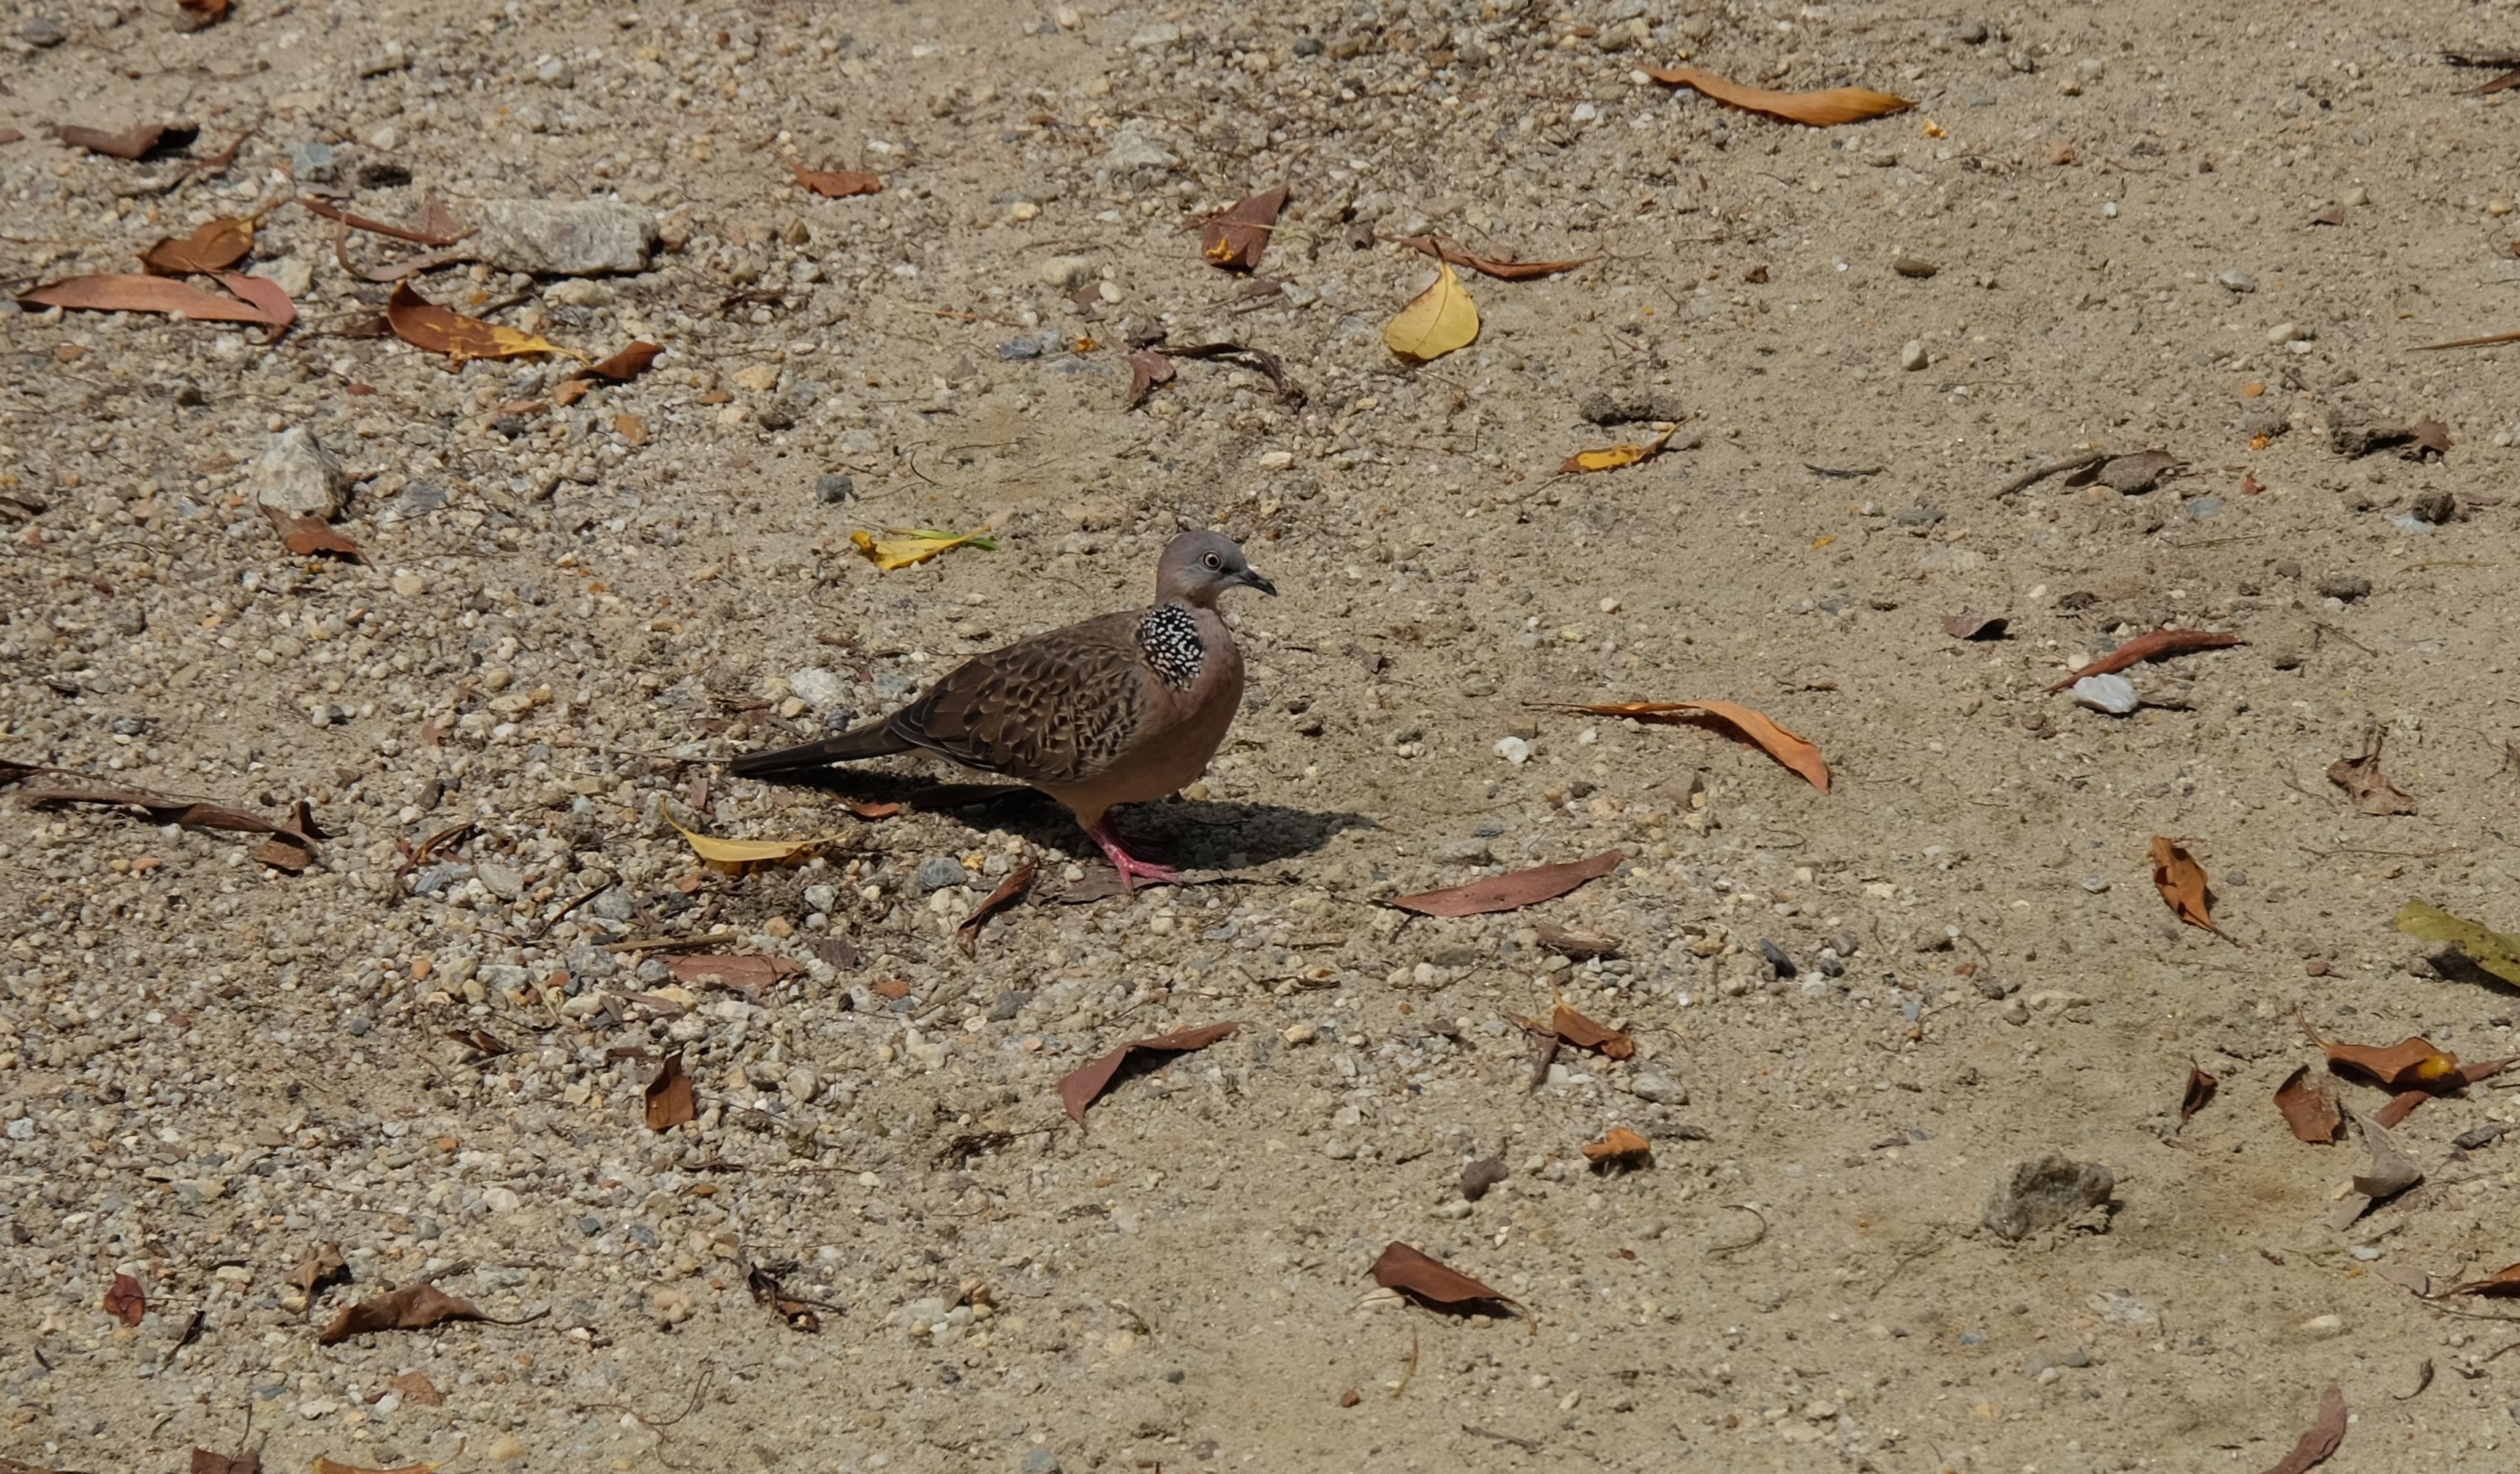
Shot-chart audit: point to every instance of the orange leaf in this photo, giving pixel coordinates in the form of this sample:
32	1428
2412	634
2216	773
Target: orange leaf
425	324
837	184
1785	746
745	973
2411	1063
1234	239
2502	1281
1413	1272
414	1306
1078	1088
1513	890
624	366
2181	881
214	245
1503	269
671	1103
1621	1147
307	536
1817	109
257	301
1583	1034
1626	453
124	1302
2199	1092
202	13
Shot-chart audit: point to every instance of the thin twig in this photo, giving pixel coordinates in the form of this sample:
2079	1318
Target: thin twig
1754	1238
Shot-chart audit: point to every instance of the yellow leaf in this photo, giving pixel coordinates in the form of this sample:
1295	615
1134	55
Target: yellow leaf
1443	318
735	854
917	545
1932	129
1627	453
1816	110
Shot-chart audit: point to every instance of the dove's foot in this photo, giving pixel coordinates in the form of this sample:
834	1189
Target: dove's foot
1132	869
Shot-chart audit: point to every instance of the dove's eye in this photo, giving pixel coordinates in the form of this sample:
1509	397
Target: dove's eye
1213	562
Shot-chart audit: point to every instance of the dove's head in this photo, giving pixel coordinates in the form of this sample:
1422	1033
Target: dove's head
1197	566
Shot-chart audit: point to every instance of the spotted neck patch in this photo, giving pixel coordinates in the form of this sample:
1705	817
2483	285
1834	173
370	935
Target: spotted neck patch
1168	637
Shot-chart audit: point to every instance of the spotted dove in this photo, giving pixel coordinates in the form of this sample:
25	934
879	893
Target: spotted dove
1118	709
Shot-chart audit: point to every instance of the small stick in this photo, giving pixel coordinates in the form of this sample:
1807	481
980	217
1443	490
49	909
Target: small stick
2032	477
1753	1238
1528	1446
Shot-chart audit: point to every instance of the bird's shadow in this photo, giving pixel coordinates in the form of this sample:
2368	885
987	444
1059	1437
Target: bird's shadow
1186	834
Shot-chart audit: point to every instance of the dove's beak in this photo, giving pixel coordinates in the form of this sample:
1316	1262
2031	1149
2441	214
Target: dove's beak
1251	579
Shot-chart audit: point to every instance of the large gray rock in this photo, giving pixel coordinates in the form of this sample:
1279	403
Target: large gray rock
585	238
296	475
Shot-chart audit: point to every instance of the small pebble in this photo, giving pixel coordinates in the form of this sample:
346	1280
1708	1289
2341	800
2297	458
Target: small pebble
1913	356
2111	694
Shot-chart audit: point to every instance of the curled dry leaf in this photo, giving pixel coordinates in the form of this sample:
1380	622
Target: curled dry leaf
2370	789
837	184
2503	1282
1503	268
745	973
163	808
2411	1064
255	300
2182	883
735	855
414	1307
1009	890
1079	1087
310	536
1626	453
1815	110
124	1302
426	325
2494	952
1236	238
242	1462
214	246
1583	1034
2310	1108
1148	367
1513	890
1968	626
1436	322
2326	1431
1622	1148
1433	1282
335	1466
917	545
2151	647
2390	1172
1785	746
671	1101
623	367
201	14
130	143
323	1267
2196	1094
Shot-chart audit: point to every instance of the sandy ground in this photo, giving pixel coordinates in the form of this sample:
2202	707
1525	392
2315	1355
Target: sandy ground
209	1067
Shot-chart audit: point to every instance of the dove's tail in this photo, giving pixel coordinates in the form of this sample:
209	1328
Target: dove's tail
873	740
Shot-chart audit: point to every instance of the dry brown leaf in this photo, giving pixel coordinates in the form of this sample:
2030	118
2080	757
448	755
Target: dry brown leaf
621	367
414	1307
1795	752
2370	789
671	1101
837	184
2310	1108
2326	1431
425	324
201	14
1009	892
1583	1034
333	1467
242	1461
256	299
2151	647
1815	110
124	1302
1968	626
1626	453
164	808
743	972
417	1390
2182	883
1513	890
308	536
214	246
1503	268
1622	1148
2197	1093
10	136
2502	1281
322	1266
130	143
434	225
1234	239
1147	368
1079	1087
2411	1063
1431	1282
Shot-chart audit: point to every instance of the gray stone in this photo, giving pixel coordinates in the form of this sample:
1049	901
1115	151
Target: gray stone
1972	32
2044	1191
582	237
314	164
418	499
2095	884
1039	1461
1913	356
296	475
653	971
43	30
832	488
587	964
1010	1003
1151	37
501	880
1066	273
1132	149
2347	587
2238	282
937	872
819	688
1657	1088
2114	694
2435	507
293	274
613	904
434	880
2205	508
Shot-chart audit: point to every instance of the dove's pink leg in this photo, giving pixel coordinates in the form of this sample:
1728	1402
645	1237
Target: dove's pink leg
1132	869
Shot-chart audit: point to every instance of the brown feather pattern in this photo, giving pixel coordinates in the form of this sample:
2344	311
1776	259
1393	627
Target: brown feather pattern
1056	709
